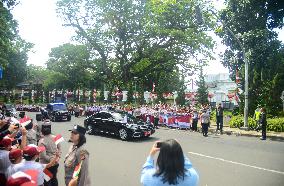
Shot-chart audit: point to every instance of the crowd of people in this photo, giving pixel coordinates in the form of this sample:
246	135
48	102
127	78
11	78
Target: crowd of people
30	154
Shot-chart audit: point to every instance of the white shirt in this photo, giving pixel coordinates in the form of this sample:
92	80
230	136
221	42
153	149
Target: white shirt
28	165
12	169
4	161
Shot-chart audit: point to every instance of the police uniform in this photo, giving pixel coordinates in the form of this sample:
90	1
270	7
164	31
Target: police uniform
31	134
74	157
50	151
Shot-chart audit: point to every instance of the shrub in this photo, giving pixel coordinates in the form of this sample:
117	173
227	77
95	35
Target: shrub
274	124
236	121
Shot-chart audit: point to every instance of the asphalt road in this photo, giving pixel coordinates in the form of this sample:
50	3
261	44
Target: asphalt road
220	160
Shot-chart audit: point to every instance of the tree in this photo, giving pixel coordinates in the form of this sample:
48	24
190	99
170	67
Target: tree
131	38
13	49
202	90
73	64
253	22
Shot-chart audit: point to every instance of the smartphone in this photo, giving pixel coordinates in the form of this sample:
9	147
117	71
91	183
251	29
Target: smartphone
159	144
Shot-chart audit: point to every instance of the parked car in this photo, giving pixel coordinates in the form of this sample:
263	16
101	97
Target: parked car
10	110
54	112
120	124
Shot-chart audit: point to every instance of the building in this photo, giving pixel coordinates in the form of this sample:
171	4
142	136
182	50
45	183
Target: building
221	90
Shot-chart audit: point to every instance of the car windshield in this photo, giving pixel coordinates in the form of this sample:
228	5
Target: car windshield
118	116
59	107
9	106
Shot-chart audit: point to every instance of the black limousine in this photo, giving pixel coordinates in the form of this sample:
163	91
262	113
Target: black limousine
117	123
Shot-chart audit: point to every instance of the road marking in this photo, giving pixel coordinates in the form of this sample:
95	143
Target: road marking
237	163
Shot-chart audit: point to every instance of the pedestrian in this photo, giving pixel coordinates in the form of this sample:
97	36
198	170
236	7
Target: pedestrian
77	155
156	117
50	151
219	118
263	123
173	167
205	119
5	147
77	110
30	155
256	117
194	120
15	157
32	134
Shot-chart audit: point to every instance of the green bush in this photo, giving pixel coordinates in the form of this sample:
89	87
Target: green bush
274	124
236	121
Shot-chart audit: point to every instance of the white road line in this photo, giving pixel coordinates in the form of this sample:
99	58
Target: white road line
237	163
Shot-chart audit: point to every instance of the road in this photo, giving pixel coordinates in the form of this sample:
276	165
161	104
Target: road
220	160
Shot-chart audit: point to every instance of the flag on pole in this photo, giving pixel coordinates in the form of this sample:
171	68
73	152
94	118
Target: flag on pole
58	139
47	175
77	170
25	121
238	79
153	89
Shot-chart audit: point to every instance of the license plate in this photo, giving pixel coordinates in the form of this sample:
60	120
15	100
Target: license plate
147	133
64	117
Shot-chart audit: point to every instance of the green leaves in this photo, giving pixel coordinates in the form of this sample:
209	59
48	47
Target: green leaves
252	21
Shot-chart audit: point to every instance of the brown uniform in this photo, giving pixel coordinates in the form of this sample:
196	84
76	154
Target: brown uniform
72	159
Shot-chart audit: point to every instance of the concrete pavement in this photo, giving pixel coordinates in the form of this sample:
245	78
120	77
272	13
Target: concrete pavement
219	160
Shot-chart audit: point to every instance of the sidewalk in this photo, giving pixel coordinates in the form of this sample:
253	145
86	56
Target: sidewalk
251	133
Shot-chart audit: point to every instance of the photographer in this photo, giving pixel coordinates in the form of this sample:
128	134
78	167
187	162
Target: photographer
173	168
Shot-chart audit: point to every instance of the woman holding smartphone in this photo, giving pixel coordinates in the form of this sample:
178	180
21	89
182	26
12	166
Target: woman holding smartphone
172	167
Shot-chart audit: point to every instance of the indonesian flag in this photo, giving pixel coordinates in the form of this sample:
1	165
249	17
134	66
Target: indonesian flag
25	121
58	139
153	89
238	79
237	98
77	170
47	175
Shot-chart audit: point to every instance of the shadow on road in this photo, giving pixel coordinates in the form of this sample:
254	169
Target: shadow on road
134	140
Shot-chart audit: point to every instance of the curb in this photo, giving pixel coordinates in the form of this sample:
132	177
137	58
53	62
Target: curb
238	133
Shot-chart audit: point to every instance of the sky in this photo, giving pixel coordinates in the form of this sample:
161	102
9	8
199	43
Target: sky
39	24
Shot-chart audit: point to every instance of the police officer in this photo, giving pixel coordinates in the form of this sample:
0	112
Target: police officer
77	154
51	149
256	117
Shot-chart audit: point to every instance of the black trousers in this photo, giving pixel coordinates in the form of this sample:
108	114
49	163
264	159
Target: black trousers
77	114
53	181
219	122
194	124
156	122
263	132
205	128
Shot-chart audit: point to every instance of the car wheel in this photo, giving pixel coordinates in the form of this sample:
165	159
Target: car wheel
69	118
90	129
123	134
53	118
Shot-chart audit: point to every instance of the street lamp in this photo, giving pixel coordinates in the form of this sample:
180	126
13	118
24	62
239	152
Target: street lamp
200	21
135	80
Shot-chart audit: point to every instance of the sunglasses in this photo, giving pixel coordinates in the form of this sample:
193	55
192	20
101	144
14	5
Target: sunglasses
74	132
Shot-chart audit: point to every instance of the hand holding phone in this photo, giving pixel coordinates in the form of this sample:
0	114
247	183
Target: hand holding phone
158	144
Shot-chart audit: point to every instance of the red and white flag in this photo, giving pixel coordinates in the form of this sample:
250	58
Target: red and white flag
77	170
153	89
238	79
25	121
47	175
58	139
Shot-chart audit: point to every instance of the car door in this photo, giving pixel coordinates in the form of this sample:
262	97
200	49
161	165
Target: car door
107	122
95	121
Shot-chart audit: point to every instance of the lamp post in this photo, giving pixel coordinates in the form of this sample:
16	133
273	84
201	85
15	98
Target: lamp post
200	21
135	80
